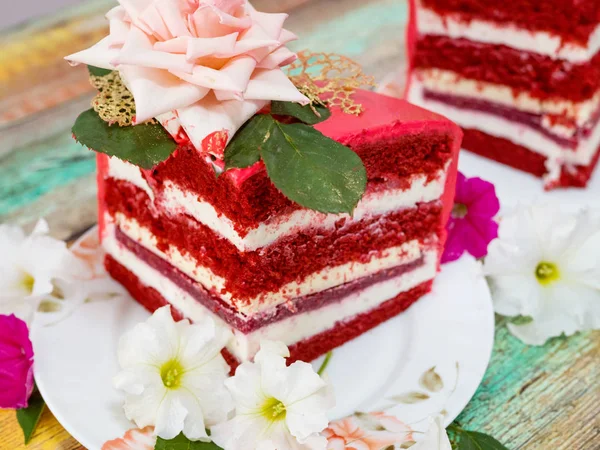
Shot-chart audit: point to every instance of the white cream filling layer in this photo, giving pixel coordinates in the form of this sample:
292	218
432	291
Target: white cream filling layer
451	83
174	200
540	42
122	170
317	282
515	132
290	330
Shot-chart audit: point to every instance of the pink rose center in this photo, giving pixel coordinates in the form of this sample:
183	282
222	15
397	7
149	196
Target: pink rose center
459	211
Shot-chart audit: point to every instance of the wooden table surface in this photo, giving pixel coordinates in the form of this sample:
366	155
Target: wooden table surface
531	398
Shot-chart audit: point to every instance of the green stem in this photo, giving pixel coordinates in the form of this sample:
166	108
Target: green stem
325	363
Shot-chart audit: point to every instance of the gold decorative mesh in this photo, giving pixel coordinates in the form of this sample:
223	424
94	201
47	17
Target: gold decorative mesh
114	103
329	78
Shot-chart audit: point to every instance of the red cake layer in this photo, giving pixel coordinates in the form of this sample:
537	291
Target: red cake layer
573	20
287	309
394	139
305	350
519	157
389	160
150	298
533	121
342	332
540	76
292	258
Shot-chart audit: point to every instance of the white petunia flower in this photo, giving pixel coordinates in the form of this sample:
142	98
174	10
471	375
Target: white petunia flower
435	438
545	265
278	407
28	267
173	374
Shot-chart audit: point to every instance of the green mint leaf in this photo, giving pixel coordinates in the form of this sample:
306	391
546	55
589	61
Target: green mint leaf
304	113
244	148
97	71
29	417
473	440
182	443
312	170
144	145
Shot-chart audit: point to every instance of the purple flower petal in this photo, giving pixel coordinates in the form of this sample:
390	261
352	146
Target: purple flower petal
479	196
483	200
473	232
455	245
16	363
479	235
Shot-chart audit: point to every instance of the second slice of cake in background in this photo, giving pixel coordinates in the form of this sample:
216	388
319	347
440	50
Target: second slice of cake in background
521	78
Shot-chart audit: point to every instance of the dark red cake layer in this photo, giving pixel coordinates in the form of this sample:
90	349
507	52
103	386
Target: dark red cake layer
150	298
533	121
342	332
519	157
306	350
540	76
248	324
389	160
292	258
573	20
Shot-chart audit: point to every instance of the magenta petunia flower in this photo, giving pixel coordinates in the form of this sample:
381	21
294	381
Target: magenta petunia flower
16	363
471	226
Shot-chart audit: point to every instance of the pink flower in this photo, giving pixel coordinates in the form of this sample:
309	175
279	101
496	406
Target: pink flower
471	226
16	363
372	431
191	57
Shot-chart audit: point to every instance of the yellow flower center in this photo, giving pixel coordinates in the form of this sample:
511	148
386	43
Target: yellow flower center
171	373
27	282
546	273
273	410
459	210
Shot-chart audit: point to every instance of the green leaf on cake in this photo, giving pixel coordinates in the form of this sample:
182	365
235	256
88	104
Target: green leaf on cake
29	417
97	71
182	443
144	145
244	148
472	440
309	114
312	170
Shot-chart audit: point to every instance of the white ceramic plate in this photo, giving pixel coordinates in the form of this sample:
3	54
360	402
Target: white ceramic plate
448	335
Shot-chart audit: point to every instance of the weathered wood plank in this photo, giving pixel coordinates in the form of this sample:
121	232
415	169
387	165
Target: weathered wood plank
540	397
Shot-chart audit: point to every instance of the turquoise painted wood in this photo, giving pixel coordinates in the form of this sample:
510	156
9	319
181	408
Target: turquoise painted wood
531	398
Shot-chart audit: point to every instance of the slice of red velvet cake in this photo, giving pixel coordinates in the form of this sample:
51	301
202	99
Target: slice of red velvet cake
296	209
236	248
521	78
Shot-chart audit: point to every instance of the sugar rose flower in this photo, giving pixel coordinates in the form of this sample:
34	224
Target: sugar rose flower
16	363
174	55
